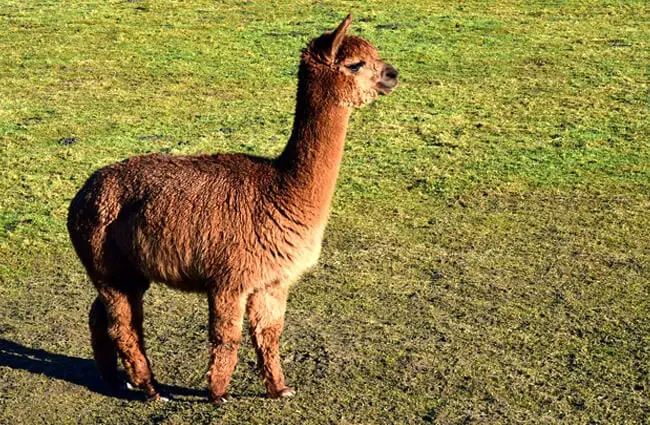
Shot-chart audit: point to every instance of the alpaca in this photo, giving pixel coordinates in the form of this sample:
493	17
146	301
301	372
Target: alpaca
238	228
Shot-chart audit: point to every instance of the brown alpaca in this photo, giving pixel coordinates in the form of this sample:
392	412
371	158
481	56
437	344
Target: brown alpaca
236	227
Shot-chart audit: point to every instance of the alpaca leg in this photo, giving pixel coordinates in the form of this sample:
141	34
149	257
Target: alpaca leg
103	347
125	319
137	315
266	310
226	317
137	319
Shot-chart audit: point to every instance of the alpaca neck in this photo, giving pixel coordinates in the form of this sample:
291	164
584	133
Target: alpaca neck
312	157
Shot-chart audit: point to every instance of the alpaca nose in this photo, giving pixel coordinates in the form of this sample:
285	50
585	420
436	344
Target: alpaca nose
390	72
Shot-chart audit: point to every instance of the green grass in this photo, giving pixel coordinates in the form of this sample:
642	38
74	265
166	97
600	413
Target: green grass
487	256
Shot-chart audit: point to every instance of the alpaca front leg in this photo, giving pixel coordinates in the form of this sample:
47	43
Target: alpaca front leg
266	308
226	317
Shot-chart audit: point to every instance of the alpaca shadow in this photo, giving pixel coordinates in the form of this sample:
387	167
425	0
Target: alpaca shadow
75	370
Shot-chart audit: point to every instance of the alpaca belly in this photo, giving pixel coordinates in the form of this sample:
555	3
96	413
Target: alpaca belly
165	257
170	268
160	261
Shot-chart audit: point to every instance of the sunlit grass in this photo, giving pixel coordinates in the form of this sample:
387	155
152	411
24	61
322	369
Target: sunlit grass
487	255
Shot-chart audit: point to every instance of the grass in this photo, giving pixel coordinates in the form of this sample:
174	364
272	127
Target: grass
486	259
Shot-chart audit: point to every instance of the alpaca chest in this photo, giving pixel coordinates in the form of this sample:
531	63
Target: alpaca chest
288	260
304	259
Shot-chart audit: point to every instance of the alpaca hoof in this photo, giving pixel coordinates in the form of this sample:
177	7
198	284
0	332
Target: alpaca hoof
221	399
125	386
283	393
152	397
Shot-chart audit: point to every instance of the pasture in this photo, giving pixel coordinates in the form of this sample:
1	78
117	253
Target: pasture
487	257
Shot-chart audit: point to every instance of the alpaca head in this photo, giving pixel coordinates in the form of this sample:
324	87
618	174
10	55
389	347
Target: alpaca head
348	68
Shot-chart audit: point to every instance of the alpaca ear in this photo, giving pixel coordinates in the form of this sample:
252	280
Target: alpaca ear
337	37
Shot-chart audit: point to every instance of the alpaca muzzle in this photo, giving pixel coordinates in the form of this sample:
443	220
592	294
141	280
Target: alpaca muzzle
388	79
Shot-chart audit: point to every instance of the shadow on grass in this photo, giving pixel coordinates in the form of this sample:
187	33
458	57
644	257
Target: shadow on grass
75	370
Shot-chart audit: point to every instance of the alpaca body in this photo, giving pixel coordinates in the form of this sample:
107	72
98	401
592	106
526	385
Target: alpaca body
193	221
239	228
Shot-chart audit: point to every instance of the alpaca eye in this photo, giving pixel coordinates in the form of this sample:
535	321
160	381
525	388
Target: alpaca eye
355	67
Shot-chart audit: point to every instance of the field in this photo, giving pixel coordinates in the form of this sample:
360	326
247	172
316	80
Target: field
487	258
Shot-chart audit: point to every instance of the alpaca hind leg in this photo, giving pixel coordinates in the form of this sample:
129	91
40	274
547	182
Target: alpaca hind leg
125	329
137	319
137	315
266	308
103	346
226	317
